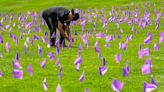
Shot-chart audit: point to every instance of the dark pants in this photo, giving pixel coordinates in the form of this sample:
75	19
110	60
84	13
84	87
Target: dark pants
52	23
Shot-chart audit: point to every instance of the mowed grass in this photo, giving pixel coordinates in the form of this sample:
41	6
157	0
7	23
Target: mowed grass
90	61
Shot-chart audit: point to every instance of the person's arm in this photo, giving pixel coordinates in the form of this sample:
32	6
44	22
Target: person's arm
67	30
60	27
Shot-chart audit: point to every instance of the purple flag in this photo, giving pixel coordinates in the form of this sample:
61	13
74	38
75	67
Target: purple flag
80	47
63	44
11	35
148	61
78	66
1	55
109	38
14	24
161	40
46	36
45	86
43	63
16	65
131	37
57	51
70	45
58	89
145	52
96	47
7	47
57	63
86	90
148	40
15	40
81	79
83	23
49	44
1	25
117	85
75	33
135	31
100	35
102	70
78	62
1	74
153	81
104	62
51	56
156	47
19	17
121	30
123	46
118	58
107	45
27	39
119	36
7	26
29	69
157	26
159	14
28	25
88	44
17	57
35	37
126	70
140	54
84	38
25	48
127	39
39	51
89	32
53	35
1	40
146	69
11	17
43	40
149	87
18	74
60	73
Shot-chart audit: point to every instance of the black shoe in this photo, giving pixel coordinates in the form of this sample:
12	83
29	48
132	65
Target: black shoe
53	46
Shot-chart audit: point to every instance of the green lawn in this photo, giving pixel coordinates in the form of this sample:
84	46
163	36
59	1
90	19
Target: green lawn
90	61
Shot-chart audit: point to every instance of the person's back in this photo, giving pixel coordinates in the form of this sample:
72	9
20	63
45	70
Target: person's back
60	12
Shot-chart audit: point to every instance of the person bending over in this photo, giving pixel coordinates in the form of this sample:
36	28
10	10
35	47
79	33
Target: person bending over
59	17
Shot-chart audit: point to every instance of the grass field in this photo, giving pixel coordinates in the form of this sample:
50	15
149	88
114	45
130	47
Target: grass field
90	61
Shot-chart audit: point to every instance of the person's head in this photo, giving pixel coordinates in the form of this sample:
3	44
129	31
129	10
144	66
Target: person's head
73	16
